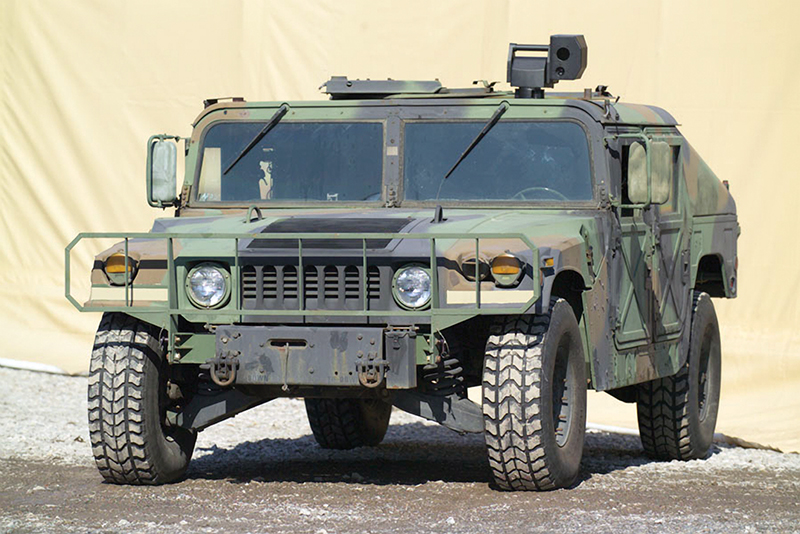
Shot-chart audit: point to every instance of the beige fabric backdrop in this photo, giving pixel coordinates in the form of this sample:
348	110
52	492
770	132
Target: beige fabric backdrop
84	83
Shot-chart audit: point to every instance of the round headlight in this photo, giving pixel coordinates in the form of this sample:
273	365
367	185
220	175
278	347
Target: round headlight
412	287
207	285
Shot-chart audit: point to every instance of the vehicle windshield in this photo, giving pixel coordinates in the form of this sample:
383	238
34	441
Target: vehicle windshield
295	161
516	161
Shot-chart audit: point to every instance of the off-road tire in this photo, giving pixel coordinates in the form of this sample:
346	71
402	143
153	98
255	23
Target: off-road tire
127	400
677	414
527	358
348	423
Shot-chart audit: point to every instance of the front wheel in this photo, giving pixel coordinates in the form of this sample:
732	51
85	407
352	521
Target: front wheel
127	406
534	400
677	414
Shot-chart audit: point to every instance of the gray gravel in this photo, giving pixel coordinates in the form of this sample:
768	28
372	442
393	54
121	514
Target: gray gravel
263	472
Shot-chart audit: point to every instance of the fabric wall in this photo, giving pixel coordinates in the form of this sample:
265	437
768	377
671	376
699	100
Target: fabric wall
84	83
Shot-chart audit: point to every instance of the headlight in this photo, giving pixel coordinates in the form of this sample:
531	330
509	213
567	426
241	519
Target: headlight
207	285
506	269
114	267
412	287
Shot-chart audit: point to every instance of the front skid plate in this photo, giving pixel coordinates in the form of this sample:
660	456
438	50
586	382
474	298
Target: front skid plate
315	356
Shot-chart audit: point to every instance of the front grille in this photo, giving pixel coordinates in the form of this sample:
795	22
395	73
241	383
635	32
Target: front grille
330	287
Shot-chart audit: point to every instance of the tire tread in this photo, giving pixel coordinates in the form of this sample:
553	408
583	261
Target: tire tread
115	398
663	411
512	404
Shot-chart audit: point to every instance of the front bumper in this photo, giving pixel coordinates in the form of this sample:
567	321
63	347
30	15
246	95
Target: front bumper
315	356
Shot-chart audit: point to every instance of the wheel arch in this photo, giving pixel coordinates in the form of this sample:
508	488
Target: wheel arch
710	276
568	284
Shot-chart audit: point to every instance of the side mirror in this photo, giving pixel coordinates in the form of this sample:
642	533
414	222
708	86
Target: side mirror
651	187
162	167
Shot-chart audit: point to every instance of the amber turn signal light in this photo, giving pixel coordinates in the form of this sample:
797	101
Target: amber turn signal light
506	269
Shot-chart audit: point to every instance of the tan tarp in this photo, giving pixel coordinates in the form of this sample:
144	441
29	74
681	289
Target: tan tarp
84	83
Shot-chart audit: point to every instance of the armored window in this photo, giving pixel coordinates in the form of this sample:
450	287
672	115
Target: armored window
516	161
671	205
295	161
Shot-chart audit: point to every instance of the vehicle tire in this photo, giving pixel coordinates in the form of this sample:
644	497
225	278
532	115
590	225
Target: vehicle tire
677	414
348	423
534	400
127	405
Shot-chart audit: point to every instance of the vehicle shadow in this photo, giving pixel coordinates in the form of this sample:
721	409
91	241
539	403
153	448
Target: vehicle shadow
411	454
607	452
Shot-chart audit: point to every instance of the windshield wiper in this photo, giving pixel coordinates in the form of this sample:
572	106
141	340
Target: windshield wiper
271	123
489	125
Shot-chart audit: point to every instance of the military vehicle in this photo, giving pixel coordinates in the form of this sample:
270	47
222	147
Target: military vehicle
401	243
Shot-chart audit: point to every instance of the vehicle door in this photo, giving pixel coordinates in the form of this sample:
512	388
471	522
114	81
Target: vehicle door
671	226
652	255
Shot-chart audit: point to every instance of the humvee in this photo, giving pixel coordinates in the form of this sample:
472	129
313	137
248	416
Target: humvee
401	243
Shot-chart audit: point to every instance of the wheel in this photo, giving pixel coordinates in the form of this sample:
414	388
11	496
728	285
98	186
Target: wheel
677	414
348	423
534	400
127	406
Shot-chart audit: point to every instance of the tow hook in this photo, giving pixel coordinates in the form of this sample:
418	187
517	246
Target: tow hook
222	368
372	373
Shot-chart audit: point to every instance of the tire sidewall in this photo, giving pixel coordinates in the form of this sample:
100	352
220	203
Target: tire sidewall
704	327
375	415
563	324
169	448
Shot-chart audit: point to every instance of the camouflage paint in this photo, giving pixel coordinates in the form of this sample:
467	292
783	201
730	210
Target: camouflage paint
583	239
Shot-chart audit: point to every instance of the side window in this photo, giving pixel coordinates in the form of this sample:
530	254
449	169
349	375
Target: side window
673	171
626	199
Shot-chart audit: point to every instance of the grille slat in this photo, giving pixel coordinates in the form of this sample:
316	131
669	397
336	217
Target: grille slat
249	282
352	283
331	282
373	283
269	283
290	282
311	282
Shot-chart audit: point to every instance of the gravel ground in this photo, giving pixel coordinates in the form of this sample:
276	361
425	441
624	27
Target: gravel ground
263	472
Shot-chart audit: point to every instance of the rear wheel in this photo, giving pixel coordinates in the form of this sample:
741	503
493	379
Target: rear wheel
127	406
534	400
348	423
677	414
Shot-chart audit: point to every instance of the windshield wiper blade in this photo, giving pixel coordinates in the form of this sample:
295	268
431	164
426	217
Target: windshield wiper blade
489	125
271	123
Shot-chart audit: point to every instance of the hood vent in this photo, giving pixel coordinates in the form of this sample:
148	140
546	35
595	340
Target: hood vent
330	225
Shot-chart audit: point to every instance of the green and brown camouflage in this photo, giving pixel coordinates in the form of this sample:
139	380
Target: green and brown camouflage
626	269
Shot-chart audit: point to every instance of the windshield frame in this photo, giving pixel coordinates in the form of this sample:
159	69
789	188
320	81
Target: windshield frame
393	113
196	202
498	203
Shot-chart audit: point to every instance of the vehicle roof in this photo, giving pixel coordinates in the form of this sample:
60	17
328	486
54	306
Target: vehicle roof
603	109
